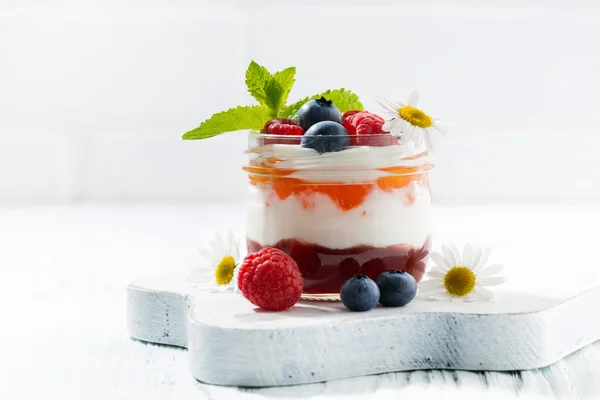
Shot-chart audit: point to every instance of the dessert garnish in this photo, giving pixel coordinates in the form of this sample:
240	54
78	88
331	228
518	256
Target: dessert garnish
282	126
270	279
408	122
397	288
359	293
271	91
219	264
465	277
318	110
367	124
326	136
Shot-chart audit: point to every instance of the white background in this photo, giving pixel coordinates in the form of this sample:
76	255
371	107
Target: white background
94	95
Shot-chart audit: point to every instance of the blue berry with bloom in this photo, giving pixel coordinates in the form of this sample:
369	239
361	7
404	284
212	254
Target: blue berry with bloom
326	136
359	293
397	288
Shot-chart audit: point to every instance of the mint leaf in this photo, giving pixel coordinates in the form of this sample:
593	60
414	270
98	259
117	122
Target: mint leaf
257	78
343	99
278	89
248	117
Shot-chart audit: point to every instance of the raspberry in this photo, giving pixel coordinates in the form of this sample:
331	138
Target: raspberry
283	126
349	113
363	123
270	279
366	123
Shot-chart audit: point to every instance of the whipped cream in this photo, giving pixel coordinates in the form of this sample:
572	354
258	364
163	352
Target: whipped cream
383	219
355	164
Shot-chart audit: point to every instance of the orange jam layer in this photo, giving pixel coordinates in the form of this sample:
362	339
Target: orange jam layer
346	196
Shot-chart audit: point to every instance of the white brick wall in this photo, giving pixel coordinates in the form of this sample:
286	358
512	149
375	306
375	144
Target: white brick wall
94	95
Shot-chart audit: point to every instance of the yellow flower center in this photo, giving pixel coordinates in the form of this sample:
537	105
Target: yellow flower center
415	117
224	271
459	281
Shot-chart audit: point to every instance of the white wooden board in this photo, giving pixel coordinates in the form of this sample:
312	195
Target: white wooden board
546	311
230	342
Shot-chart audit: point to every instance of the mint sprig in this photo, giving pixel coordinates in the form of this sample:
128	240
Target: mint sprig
257	77
271	91
247	117
278	88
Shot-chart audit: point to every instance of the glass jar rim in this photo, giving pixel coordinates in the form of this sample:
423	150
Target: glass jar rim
275	155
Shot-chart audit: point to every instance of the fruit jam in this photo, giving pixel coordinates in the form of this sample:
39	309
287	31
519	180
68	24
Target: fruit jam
325	270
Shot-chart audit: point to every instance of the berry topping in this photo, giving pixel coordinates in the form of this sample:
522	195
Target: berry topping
397	288
282	126
349	113
359	293
363	123
326	136
314	111
366	123
270	279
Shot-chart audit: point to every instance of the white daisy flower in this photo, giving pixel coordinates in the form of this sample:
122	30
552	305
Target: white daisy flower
410	123
461	278
219	265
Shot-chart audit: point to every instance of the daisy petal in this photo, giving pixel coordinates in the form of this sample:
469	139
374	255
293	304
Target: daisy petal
483	293
221	288
475	258
385	106
397	132
441	295
455	252
436	273
491	281
198	276
407	133
449	256
470	297
467	255
389	125
389	105
413	98
430	285
485	255
490	271
220	245
439	260
436	126
428	143
401	125
206	255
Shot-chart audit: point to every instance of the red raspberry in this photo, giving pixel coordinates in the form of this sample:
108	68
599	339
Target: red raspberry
349	113
363	123
270	279
283	126
366	123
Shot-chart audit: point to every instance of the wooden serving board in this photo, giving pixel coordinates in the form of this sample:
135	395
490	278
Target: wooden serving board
547	310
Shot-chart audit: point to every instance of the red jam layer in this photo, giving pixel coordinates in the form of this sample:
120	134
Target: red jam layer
325	270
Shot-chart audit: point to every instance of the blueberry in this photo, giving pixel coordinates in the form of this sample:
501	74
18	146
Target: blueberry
359	293
397	288
326	136
314	111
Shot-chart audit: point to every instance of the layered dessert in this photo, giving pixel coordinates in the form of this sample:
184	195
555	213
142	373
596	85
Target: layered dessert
362	210
341	190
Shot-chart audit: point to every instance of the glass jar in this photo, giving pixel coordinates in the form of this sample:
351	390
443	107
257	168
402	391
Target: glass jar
364	209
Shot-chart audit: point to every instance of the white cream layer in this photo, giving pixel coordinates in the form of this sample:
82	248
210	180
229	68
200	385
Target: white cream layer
355	164
388	219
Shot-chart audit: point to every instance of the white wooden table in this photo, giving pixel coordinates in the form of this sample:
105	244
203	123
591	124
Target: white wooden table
63	276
